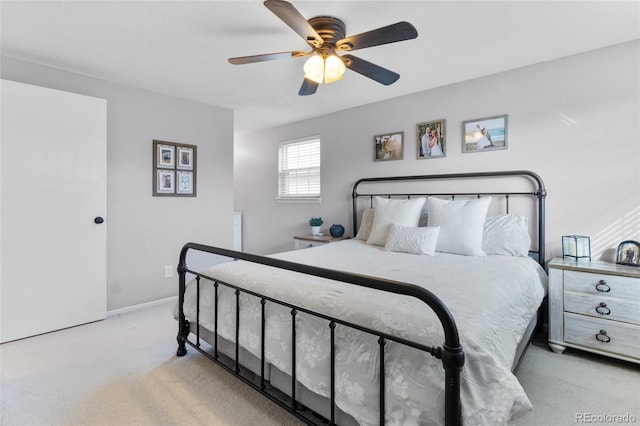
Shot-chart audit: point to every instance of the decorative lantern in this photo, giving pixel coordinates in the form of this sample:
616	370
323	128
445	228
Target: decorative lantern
576	247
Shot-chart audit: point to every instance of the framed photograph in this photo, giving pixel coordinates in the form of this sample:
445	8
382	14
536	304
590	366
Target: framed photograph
432	139
628	253
185	158
388	146
184	182
165	156
484	134
174	169
166	181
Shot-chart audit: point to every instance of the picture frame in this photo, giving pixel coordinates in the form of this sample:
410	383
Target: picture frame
165	181
184	182
628	253
174	169
165	156
185	158
485	134
431	141
388	146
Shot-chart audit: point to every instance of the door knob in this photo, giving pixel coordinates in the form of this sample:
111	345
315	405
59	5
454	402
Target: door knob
98	220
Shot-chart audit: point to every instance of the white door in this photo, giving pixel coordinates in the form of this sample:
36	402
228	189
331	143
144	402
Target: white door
53	178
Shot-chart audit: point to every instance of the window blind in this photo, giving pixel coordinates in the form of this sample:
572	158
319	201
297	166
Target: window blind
299	170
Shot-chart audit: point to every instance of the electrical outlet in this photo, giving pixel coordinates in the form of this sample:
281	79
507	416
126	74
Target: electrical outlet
168	271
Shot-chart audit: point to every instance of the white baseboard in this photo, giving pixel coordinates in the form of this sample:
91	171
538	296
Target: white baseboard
141	306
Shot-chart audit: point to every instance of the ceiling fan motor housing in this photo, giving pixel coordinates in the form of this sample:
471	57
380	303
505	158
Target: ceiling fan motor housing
329	28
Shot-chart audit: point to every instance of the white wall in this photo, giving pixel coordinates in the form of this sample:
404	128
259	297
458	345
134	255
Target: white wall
146	233
574	121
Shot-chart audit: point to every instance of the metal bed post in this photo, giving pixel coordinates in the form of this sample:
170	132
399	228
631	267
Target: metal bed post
183	324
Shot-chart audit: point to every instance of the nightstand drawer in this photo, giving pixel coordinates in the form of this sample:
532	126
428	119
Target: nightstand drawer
308	241
602	284
600	306
602	335
303	244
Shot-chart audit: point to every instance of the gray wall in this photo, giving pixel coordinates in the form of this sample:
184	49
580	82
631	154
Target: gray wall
575	121
146	233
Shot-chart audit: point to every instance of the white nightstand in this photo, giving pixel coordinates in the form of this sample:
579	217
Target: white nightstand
595	306
307	241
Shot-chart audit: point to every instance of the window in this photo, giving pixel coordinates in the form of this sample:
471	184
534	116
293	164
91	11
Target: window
299	170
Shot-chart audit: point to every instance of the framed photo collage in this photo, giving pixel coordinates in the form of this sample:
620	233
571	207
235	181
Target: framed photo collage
174	169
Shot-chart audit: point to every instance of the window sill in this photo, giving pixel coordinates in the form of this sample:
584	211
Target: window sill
310	200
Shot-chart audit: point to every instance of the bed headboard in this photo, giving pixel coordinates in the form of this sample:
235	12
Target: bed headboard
505	187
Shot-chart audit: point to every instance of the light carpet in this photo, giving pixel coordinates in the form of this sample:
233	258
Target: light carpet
123	371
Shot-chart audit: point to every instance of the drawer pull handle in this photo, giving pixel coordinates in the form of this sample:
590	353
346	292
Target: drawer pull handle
602	337
602	309
603	287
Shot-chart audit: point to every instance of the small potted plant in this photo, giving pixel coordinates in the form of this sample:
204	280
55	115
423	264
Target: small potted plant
315	223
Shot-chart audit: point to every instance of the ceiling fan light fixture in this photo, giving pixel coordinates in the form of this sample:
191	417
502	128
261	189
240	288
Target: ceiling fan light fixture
327	68
314	68
334	68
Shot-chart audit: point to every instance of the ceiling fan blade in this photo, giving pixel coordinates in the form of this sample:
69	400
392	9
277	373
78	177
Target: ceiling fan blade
261	58
298	23
373	71
399	31
308	87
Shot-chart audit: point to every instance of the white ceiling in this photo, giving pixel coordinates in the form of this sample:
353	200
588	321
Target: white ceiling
181	47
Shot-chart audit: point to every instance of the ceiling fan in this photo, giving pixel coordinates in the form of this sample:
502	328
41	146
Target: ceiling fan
326	36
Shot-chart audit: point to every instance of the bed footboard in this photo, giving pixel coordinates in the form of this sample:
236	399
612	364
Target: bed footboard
450	353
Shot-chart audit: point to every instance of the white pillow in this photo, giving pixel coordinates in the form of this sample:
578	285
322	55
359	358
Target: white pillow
365	225
412	240
506	235
388	211
461	224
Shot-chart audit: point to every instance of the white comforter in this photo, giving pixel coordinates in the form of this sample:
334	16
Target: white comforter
492	299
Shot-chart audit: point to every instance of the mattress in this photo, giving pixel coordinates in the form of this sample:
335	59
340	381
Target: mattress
492	299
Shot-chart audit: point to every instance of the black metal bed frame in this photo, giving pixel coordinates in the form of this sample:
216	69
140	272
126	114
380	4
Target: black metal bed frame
450	353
